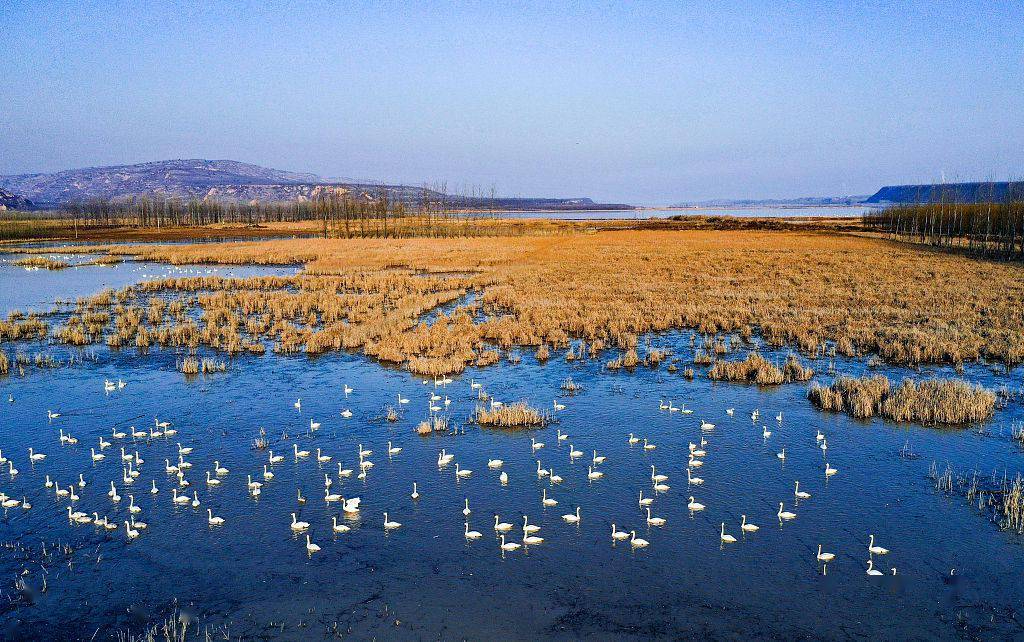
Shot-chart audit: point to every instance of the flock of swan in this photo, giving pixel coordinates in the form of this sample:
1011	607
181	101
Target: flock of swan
124	448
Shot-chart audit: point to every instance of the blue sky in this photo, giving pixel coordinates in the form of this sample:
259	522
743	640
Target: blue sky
642	103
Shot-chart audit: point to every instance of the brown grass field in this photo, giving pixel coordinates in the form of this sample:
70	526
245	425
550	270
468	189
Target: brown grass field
814	291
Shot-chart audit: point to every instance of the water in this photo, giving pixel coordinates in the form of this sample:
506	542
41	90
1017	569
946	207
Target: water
254	577
667	212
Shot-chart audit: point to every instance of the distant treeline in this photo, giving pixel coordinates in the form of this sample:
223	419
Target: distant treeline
340	215
993	228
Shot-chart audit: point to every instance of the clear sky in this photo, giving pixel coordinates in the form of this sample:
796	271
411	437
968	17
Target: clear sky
637	102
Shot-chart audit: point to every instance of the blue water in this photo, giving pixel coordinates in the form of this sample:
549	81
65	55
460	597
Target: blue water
655	212
253	577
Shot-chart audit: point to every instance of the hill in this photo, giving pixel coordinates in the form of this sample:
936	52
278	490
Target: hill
228	180
9	201
949	192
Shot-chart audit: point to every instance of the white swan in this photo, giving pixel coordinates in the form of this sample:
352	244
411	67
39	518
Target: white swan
618	535
415	493
296	525
501	527
648	446
299	454
726	538
657	477
691	480
468	534
338	528
393	450
877	550
573	453
536	445
389	524
528	527
825	557
509	546
781	455
214	521
541	472
495	463
466	511
785	514
573	518
548	501
594	474
598	459
645	501
694	505
748	527
636	542
310	546
322	458
829	470
654	521
633	440
462	472
799	494
872	570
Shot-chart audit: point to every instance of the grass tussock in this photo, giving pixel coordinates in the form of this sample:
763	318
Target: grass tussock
42	262
437	423
932	401
570	386
516	415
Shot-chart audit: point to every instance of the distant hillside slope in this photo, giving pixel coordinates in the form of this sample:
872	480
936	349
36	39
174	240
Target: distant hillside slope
949	192
9	201
234	181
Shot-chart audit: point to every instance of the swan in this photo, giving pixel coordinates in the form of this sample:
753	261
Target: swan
182	464
161	424
573	453
558	406
213	521
799	494
672	408
636	542
112	493
314	425
300	498
781	455
618	535
501	527
474	384
97	456
169	467
154	490
633	439
252	484
872	570
71	493
654	521
351	505
389	524
195	499
548	501
78	517
726	538
444	457
466	511
825	557
562	437
217	468
824	445
132	508
765	432
819	436
532	539
785	514
104	444
541	472
179	499
691	480
730	411
298	404
509	546
598	459
116	434
471	535
694	505
829	470
347	390
344	472
694	463
696	452
662	405
495	463
536	445
296	525
52	415
346	413
320	457
393	450
11	470
331	497
462	472
594	474
131	532
299	453
364	452
210	481
275	459
34	456
748	527
706	425
338	528
877	550
415	493
657	476
8	502
555	479
401	399
138	434
49	483
503	478
528	527
778	417
184	451
310	546
645	501
648	446
573	518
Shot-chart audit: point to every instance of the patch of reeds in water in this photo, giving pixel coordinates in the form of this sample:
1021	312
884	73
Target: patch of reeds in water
516	415
43	262
437	423
932	401
571	387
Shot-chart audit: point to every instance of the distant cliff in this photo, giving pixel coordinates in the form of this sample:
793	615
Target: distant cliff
227	180
949	192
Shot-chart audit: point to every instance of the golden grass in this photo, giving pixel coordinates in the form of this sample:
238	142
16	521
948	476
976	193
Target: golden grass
516	415
43	262
932	401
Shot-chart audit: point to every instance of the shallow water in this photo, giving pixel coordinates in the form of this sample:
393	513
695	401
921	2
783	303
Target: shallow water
424	580
742	212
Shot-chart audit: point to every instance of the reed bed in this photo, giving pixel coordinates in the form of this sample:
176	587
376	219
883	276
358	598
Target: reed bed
516	415
42	262
436	423
932	401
